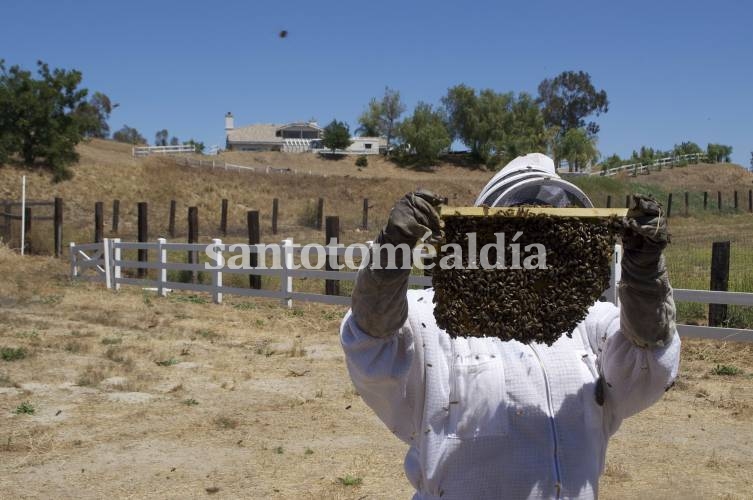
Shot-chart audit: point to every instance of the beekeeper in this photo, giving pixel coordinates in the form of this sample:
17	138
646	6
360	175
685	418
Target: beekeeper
490	419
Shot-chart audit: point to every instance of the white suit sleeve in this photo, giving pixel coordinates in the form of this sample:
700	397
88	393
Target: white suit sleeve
385	373
634	377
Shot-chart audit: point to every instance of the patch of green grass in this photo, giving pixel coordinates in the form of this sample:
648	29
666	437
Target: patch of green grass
32	334
244	306
190	402
167	362
279	450
25	408
12	353
192	299
726	370
296	312
112	340
308	451
349	480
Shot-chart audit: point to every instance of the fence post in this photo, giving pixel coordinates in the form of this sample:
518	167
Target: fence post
719	280
332	237
171	220
115	216
750	200
217	274
107	257
27	230
7	222
275	213
254	238
193	237
162	271
735	195
58	227
609	201
319	213
627	201
719	200
74	257
223	217
99	222
635	170
143	237
669	205
116	271
365	221
687	200
286	281
705	199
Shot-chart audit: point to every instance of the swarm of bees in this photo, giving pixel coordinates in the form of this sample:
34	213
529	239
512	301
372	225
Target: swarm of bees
510	301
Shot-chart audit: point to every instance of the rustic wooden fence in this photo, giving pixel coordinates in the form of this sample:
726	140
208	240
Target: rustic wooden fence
104	262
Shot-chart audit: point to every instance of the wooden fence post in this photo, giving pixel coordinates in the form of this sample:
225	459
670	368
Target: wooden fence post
735	200
143	237
705	199
7	222
719	200
254	238
193	237
627	201
275	213
319	213
687	201
750	200
365	221
223	217
171	220
669	205
99	221
720	251
27	229
332	237
115	216
58	227
609	201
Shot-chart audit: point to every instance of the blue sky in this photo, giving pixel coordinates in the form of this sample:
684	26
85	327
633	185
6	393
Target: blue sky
673	71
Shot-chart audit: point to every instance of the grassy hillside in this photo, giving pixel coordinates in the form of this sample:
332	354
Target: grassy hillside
107	172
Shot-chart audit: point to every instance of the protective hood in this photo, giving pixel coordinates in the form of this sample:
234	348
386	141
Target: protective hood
531	180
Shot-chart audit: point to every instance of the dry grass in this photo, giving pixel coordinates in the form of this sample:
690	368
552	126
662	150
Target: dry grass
260	405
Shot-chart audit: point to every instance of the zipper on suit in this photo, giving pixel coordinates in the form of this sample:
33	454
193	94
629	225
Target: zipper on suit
558	485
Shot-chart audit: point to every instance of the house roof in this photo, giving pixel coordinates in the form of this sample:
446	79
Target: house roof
263	132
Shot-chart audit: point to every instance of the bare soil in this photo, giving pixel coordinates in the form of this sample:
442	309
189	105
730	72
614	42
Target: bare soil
136	396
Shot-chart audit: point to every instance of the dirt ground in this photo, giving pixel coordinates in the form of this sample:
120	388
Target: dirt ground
129	395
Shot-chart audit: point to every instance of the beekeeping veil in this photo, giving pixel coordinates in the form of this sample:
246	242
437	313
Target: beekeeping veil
531	180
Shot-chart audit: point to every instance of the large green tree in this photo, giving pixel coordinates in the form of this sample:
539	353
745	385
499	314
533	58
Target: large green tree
569	98
719	153
160	138
336	136
38	119
687	148
495	126
94	114
424	135
381	117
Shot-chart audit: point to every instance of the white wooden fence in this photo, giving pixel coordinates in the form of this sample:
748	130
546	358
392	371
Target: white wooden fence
103	262
163	150
640	168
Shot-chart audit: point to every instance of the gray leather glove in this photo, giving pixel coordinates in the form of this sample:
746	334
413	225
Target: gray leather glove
379	302
647	308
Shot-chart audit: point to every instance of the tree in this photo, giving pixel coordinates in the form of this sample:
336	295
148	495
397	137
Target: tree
424	135
197	146
718	153
38	119
751	161
160	138
577	147
687	148
336	136
570	97
381	117
174	141
94	115
495	126
128	135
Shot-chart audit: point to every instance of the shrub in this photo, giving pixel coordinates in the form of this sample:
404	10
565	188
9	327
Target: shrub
12	353
362	161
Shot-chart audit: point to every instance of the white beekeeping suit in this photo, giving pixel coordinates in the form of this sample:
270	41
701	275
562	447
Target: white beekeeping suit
490	419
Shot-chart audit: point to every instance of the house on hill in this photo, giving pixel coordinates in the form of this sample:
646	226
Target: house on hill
296	137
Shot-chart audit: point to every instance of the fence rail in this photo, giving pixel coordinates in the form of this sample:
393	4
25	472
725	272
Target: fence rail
641	168
103	262
163	150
